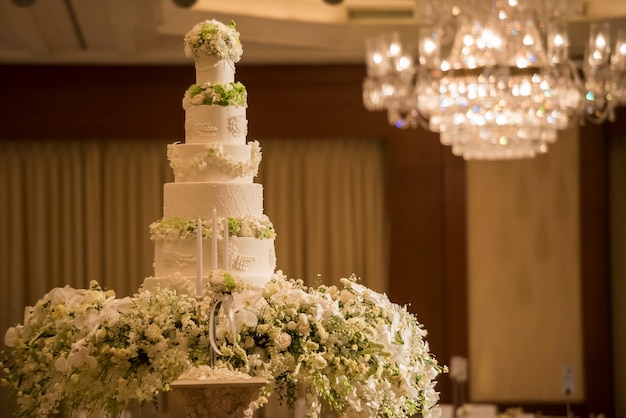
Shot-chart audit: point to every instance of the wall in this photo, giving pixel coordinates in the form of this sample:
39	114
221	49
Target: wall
617	175
523	281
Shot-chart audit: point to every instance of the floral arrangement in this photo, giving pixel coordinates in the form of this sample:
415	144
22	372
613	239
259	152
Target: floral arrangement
231	94
215	155
247	226
350	347
213	38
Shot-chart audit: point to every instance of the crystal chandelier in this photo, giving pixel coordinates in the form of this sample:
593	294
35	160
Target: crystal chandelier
494	78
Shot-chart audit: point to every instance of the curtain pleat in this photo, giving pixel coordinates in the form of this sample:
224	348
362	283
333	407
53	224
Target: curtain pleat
326	199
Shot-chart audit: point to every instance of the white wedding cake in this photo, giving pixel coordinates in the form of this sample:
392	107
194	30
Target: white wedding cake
213	190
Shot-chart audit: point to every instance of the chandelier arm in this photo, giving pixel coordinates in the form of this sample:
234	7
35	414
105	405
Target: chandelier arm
599	116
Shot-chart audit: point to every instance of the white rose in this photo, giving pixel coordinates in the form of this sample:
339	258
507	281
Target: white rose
346	296
246	230
197	99
282	341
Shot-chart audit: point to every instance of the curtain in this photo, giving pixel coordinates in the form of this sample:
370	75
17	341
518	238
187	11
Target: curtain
75	211
326	200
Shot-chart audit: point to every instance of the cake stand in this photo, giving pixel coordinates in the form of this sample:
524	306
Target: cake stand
219	398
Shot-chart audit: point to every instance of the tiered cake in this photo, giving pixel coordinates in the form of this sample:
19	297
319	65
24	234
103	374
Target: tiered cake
214	168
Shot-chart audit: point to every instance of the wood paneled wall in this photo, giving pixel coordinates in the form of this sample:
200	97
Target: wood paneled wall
426	184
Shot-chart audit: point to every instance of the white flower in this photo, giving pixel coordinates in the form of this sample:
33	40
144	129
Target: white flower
282	341
89	321
59	295
82	356
245	306
11	337
62	365
318	362
435	412
154	333
123	305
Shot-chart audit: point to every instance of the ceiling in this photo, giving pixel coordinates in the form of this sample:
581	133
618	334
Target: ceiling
272	31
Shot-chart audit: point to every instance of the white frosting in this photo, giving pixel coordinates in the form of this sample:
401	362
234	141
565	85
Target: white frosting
214	70
206	124
214	163
252	259
197	200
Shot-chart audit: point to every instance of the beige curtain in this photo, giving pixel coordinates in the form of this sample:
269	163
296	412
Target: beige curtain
73	211
327	202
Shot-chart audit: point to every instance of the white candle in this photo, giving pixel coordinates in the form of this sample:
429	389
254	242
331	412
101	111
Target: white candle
199	261
214	246
226	243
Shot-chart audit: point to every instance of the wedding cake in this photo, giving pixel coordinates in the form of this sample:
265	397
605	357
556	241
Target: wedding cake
213	216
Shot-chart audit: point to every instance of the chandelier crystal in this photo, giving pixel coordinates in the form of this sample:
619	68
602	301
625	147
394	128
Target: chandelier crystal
494	78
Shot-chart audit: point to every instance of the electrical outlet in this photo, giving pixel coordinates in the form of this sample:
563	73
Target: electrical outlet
568	379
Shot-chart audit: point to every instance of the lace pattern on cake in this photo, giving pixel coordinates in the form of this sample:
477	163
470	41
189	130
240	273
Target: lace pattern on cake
236	261
215	156
171	257
272	256
236	197
198	128
238	126
243	263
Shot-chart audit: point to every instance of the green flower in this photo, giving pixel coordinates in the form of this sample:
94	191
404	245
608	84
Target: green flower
231	94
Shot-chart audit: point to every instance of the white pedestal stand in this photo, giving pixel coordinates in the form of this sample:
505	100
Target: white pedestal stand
217	398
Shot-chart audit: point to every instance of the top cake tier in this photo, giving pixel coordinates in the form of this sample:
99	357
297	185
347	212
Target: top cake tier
216	48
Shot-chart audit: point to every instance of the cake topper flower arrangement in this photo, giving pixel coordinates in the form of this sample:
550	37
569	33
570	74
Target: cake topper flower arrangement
213	38
349	348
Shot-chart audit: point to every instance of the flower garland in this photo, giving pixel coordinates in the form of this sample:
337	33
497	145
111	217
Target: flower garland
213	38
215	155
349	347
231	94
247	226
